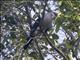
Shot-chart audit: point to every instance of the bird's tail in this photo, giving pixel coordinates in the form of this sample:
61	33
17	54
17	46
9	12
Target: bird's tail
28	42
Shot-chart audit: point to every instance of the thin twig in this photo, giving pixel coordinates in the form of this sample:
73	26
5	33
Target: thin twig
28	15
21	54
41	55
43	13
55	48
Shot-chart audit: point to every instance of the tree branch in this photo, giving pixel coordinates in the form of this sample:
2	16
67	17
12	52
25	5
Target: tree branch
55	48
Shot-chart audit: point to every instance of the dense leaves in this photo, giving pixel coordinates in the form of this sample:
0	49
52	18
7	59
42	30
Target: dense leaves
1	47
60	42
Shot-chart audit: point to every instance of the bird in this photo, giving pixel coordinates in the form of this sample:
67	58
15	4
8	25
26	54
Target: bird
44	25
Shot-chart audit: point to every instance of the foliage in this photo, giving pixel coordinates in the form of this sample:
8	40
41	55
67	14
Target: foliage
15	28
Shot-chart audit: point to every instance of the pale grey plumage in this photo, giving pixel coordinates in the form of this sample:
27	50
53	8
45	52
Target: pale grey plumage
46	23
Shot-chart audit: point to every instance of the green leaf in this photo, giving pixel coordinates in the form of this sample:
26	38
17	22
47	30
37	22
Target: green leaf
58	22
34	55
1	47
55	36
13	36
